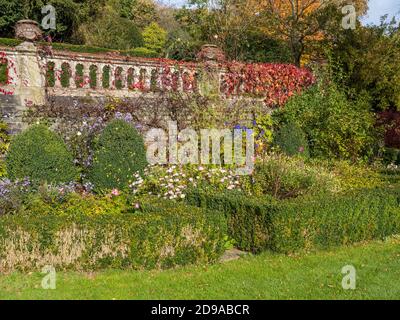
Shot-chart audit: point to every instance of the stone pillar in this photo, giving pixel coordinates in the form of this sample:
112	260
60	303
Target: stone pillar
211	58
30	80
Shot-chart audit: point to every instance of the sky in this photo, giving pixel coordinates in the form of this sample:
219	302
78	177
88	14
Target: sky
377	8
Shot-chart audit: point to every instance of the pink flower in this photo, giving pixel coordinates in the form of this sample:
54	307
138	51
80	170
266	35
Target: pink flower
115	192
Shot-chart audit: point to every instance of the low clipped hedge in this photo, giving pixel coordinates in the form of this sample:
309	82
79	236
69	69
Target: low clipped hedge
139	52
155	237
10	42
308	223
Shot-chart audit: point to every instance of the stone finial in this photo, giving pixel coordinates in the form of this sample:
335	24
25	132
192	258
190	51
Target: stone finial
210	53
28	30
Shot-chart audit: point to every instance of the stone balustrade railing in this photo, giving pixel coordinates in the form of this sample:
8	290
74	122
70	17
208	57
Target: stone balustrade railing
85	74
66	73
32	74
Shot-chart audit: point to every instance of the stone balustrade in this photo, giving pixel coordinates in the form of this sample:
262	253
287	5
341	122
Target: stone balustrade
82	75
34	75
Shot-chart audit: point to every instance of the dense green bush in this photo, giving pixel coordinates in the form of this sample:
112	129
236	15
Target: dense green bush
391	156
291	140
248	218
306	223
80	238
336	127
286	177
110	30
349	176
41	155
119	154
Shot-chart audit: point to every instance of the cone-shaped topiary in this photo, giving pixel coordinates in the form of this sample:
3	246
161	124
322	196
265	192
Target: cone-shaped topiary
41	155
119	154
292	140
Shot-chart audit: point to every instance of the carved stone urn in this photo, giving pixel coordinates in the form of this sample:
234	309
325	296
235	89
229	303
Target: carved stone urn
28	30
211	53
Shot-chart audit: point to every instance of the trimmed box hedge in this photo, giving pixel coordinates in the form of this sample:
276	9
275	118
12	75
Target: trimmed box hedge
159	236
306	223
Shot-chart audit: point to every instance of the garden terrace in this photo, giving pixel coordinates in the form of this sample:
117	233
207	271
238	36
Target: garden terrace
34	74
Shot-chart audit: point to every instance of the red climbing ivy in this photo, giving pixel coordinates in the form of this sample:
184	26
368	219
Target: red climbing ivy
276	83
8	64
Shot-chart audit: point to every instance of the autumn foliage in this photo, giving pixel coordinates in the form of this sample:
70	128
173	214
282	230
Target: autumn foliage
274	82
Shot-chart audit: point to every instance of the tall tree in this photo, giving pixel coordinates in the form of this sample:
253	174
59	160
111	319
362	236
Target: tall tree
300	21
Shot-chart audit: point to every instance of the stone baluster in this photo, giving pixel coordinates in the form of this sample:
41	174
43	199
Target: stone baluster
57	73
147	82
99	76
72	65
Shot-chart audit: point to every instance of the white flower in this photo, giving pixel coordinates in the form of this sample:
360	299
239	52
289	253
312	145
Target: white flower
79	133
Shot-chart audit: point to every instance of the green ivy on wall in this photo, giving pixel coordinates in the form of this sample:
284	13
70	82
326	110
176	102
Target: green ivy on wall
3	73
50	75
65	75
118	78
93	76
106	77
79	81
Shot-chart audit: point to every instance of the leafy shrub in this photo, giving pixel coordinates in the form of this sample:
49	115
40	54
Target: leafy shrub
41	155
306	223
119	154
292	140
154	37
285	177
248	218
158	236
336	127
391	156
110	30
351	176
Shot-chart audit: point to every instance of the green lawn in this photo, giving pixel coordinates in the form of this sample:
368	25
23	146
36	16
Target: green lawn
267	276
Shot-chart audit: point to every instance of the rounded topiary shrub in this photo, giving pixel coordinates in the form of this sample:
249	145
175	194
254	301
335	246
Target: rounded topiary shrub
41	155
119	154
292	140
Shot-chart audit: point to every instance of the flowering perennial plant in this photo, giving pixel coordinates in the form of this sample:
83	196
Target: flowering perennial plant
172	182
